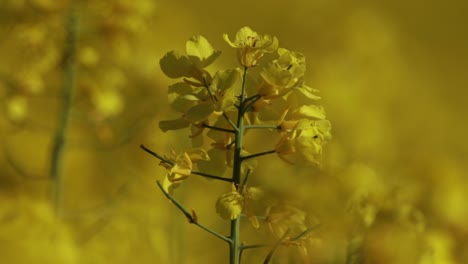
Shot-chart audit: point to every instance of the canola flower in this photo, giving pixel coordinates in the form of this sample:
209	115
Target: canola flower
221	107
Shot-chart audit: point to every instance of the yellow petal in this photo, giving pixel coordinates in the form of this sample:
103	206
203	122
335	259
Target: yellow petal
199	112
176	65
229	205
310	111
216	165
199	47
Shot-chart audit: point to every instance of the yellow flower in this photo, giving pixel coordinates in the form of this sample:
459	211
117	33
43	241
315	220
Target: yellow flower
304	142
199	54
180	168
282	74
229	205
251	46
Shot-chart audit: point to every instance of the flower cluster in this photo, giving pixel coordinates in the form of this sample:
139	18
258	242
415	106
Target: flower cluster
277	94
266	92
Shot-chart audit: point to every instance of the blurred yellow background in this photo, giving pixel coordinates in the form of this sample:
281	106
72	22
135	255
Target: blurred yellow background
393	77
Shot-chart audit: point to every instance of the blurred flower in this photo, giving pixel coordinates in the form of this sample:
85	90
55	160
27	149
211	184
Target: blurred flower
30	231
108	103
251	194
251	46
282	217
17	108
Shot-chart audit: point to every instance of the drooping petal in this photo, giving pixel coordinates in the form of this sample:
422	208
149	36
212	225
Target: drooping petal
176	65
199	112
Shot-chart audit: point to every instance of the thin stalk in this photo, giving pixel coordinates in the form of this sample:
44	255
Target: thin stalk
161	158
258	154
218	128
214	100
236	129
234	250
191	218
251	101
214	177
170	162
63	122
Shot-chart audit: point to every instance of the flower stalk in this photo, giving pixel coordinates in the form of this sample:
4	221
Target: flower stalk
234	251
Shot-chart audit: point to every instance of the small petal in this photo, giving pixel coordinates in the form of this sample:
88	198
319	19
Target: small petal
199	47
229	205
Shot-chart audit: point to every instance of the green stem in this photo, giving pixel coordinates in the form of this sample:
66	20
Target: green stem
234	250
63	123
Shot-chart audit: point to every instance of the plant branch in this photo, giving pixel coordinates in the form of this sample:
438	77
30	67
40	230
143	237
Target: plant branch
252	100
218	128
301	235
190	217
305	232
211	176
259	154
236	129
163	159
253	97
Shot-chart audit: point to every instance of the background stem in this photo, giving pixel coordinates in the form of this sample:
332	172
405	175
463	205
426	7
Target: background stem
68	94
